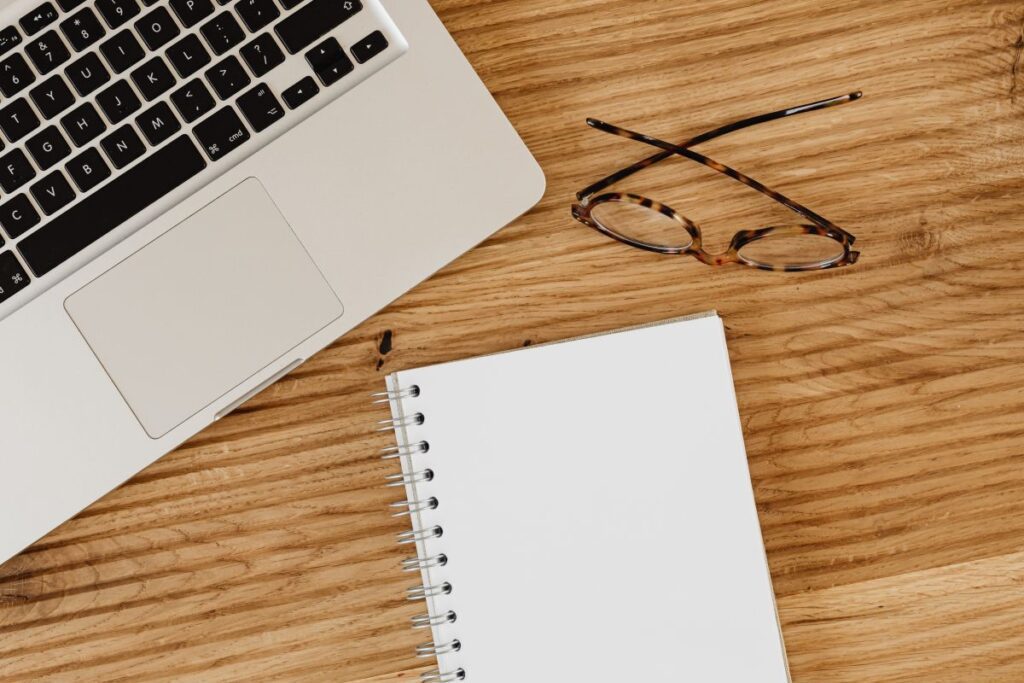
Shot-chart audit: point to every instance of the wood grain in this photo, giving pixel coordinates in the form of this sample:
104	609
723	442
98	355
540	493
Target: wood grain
882	404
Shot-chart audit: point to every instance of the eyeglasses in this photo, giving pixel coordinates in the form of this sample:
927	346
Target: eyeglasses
648	224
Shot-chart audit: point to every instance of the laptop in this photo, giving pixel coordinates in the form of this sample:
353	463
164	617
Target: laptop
198	195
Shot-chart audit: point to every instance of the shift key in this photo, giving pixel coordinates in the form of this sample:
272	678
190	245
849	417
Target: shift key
314	20
221	133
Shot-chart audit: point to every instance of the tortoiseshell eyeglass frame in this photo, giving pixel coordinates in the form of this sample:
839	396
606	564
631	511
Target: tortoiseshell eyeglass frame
588	198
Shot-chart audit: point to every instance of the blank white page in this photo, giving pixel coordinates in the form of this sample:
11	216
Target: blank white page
598	514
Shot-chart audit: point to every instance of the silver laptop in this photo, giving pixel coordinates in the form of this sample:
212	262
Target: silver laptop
198	195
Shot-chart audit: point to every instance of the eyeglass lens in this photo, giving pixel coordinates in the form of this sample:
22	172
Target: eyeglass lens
641	224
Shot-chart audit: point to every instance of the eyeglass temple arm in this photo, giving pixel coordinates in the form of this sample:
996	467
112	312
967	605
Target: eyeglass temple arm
726	170
709	135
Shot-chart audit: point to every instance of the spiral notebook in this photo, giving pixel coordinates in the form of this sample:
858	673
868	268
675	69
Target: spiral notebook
583	511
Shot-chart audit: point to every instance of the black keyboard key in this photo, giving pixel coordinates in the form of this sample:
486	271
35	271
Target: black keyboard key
191	12
9	39
331	73
118	102
257	14
82	124
48	147
158	123
18	216
18	120
260	107
82	29
110	206
15	75
290	4
188	55
221	133
157	28
47	52
68	5
41	16
192	100
369	47
87	74
324	54
300	93
13	277
52	96
53	192
15	170
262	54
153	79
88	169
227	77
222	33
147	3
117	12
314	20
123	146
329	61
122	51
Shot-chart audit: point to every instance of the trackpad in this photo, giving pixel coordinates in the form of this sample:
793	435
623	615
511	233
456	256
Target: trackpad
202	308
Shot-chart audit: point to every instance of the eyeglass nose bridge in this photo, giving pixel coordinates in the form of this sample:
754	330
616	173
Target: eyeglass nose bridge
720	259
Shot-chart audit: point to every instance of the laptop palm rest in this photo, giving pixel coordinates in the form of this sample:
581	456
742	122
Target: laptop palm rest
203	308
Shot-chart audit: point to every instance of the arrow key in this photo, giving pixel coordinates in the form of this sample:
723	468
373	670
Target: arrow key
260	107
300	93
332	73
329	61
325	54
369	47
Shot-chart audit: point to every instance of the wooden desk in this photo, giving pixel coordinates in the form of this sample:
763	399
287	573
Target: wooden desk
882	404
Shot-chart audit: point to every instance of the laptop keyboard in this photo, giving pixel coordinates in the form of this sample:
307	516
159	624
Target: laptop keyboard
109	106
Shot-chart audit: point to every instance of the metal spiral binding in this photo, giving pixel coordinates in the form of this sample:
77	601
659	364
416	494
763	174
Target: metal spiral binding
436	676
388	396
417	535
423	591
427	621
412	506
434	649
414	536
411	478
405	421
395	452
414	564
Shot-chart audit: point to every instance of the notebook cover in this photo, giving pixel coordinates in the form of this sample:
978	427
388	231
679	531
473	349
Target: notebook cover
598	515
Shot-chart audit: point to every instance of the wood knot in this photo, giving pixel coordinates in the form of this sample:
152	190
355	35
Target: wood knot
919	242
384	348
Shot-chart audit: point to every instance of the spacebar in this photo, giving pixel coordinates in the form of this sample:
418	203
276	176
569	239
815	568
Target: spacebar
116	202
